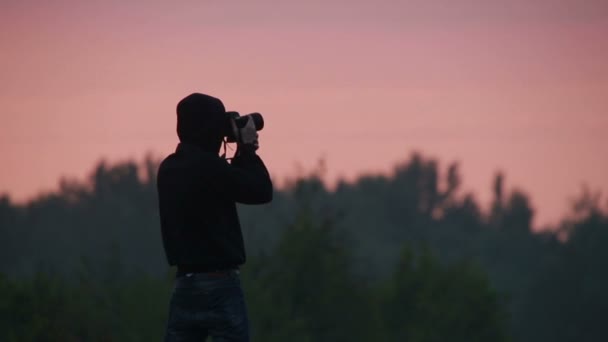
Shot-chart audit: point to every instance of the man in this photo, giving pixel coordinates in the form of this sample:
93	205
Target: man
197	191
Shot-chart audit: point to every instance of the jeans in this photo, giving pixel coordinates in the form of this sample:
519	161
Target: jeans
205	305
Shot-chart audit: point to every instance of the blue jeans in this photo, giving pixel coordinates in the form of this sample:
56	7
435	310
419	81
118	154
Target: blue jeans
205	305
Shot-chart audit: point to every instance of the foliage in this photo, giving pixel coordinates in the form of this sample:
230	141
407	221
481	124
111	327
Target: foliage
48	307
429	302
303	291
313	253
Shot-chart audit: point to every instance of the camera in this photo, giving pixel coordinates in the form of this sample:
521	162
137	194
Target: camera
240	122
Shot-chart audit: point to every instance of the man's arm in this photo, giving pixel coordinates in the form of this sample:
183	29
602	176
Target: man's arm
246	180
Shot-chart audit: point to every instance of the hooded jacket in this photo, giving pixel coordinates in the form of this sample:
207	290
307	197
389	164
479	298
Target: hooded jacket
197	193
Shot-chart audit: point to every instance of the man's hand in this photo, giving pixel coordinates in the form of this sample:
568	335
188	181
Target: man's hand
249	135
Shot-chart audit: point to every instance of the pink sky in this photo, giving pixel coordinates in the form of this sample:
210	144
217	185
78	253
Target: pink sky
518	86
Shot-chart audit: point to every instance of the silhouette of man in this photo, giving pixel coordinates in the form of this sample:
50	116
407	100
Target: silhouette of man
197	192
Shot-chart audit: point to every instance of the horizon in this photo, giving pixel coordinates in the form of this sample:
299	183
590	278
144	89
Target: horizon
319	171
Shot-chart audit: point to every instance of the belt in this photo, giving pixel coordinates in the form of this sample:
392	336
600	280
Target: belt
219	274
190	270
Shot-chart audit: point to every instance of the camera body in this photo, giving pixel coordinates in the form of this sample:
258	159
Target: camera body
240	122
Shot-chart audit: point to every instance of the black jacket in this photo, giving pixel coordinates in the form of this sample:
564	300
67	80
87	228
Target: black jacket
197	191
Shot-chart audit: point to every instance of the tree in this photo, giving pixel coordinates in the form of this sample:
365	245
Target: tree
305	290
428	302
569	301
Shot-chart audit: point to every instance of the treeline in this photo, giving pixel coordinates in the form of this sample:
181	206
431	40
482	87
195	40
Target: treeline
400	257
304	290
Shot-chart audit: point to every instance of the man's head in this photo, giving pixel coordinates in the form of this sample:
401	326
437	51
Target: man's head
201	120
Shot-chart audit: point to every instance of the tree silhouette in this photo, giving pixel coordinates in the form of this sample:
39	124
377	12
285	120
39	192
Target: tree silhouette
105	231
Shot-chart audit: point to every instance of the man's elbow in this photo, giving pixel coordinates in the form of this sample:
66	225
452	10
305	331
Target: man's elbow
257	196
266	195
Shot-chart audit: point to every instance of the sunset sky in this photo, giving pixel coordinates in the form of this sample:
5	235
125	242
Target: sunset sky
519	86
